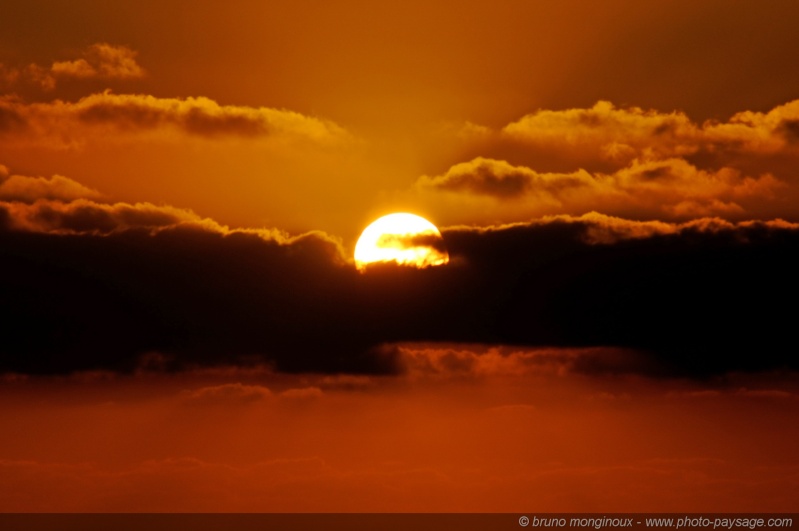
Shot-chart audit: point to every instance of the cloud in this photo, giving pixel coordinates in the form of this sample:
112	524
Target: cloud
105	284
670	188
97	116
32	75
772	131
607	130
11	120
302	393
232	393
777	395
478	361
347	382
101	60
624	161
626	133
29	189
493	178
82	216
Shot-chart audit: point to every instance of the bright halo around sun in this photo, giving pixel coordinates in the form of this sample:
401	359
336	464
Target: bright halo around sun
406	239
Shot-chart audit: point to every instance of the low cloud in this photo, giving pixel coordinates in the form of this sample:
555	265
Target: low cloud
226	394
347	382
122	281
482	361
302	393
493	178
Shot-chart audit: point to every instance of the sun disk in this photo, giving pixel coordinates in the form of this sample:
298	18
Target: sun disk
405	239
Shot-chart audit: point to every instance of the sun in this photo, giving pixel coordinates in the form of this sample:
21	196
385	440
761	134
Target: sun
405	239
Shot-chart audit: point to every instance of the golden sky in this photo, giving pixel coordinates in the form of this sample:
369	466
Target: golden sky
320	115
182	185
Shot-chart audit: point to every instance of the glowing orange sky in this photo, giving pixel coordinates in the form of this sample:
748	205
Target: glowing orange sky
182	186
407	91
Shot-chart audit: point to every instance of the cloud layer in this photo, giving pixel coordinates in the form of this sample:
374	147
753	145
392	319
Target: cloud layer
109	284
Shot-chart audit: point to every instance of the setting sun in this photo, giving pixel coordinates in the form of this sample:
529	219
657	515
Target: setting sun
406	239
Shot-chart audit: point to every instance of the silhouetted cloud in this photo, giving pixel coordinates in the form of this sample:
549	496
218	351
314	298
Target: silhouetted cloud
111	286
483	361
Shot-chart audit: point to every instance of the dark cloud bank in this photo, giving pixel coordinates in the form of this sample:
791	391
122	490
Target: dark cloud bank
694	300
